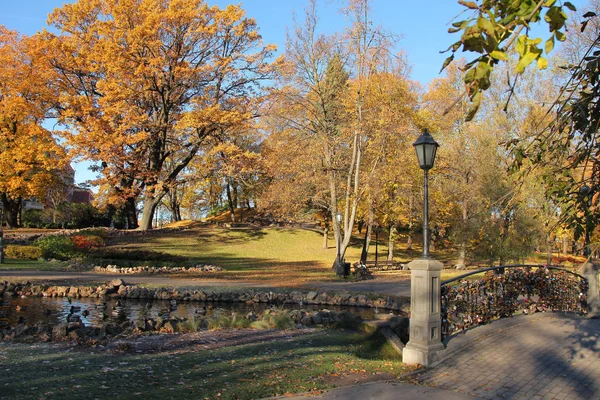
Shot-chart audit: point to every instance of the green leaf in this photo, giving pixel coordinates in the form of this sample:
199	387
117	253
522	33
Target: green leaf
589	14
555	18
482	70
549	44
521	44
561	37
470	76
549	3
570	6
475	103
447	61
542	63
527	59
499	55
486	25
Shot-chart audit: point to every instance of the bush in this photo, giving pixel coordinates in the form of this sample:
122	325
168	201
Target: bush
56	246
137	255
87	241
23	252
102	233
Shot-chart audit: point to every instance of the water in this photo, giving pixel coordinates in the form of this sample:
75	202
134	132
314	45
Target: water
95	312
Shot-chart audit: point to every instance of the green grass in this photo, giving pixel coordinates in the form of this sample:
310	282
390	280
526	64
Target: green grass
279	255
15	264
310	362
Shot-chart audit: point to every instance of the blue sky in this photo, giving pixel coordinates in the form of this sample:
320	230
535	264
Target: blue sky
422	26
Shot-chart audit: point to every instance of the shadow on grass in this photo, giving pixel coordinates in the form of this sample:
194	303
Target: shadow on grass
269	366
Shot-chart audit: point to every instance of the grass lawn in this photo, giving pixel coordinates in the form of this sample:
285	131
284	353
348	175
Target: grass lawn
278	255
292	362
16	264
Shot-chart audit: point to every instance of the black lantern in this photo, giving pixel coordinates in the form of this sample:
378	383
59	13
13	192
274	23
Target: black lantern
426	148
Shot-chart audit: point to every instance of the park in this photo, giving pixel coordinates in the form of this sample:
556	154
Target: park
352	199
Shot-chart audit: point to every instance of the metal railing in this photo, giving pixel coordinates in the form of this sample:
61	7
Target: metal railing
510	289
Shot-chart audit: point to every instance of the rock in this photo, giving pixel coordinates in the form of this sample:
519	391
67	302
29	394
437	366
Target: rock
362	300
311	295
60	331
115	283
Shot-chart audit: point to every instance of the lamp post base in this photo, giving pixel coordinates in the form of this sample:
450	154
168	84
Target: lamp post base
590	271
425	341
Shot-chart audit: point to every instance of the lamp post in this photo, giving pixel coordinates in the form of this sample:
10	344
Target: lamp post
425	341
338	261
426	148
584	192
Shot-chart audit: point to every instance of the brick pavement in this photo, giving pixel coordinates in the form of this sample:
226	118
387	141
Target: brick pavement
550	356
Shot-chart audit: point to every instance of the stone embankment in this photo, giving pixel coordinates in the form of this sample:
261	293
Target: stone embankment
115	269
76	330
118	289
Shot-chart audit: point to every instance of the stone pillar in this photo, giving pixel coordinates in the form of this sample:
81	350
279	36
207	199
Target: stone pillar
425	318
590	272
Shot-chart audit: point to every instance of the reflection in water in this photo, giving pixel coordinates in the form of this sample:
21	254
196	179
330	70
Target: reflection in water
94	312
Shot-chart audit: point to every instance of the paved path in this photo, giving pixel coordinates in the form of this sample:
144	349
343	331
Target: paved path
385	285
546	356
387	391
549	356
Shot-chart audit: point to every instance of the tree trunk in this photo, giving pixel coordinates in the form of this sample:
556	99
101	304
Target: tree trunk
235	194
462	252
548	249
462	255
325	234
230	202
131	213
411	200
360	224
150	204
565	245
367	240
174	206
391	239
12	208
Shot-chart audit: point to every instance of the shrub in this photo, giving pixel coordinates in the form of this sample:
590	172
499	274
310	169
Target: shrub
137	255
103	233
227	321
56	246
279	320
87	241
23	252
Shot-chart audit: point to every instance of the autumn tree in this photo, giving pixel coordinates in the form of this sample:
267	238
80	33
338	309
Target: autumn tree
565	147
143	80
30	158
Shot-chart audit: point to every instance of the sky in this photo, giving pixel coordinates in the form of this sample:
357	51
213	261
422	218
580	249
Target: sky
422	26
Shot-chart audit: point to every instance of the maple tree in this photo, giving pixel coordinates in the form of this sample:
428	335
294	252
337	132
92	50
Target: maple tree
31	160
146	81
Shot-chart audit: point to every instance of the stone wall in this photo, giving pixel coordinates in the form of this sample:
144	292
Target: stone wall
120	290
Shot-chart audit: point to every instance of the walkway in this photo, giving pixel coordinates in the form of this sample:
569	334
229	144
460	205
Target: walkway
384	285
546	356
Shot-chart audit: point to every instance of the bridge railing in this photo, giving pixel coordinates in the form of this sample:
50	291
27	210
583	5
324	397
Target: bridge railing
506	290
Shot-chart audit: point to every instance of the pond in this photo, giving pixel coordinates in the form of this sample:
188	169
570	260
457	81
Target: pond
95	312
